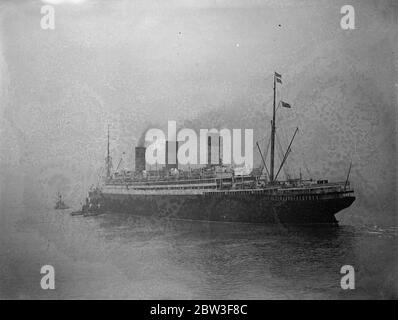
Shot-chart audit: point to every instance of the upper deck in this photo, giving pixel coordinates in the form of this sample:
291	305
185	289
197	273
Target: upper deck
221	186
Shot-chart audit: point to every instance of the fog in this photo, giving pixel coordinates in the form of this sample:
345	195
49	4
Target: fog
138	64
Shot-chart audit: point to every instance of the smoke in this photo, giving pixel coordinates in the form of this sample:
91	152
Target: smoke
141	140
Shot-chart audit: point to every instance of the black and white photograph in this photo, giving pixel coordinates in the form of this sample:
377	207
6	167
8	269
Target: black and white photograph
198	150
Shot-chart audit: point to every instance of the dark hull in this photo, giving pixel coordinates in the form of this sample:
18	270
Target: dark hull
231	208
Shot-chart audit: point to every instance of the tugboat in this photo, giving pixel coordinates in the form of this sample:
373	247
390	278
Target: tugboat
89	208
60	204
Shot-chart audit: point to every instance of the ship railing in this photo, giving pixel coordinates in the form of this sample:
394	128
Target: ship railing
280	189
322	188
281	196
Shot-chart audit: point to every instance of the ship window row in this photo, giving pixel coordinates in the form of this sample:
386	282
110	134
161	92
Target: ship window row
280	197
168	182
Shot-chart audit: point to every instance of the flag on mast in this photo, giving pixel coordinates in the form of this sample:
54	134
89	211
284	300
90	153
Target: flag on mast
278	77
285	104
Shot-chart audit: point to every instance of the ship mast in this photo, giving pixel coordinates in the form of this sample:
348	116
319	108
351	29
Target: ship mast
108	160
271	175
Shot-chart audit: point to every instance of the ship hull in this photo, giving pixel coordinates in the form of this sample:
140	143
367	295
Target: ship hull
229	208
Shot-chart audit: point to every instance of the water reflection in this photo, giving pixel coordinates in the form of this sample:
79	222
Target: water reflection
237	260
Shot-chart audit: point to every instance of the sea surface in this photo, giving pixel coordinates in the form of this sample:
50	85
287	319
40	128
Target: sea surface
118	256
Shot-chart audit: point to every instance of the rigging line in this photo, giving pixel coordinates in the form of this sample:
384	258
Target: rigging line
120	161
267	148
280	147
261	139
284	137
282	157
262	158
255	147
265	103
279	104
287	154
305	165
279	96
291	154
348	175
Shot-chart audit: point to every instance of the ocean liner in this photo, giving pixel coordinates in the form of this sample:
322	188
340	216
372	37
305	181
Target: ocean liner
215	193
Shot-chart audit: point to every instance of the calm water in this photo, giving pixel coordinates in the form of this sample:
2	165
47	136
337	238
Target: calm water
121	256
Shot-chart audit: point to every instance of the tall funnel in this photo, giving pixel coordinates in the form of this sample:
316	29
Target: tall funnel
140	159
171	155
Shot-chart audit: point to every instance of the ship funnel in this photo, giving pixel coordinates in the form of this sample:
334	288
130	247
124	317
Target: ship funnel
140	159
209	151
171	155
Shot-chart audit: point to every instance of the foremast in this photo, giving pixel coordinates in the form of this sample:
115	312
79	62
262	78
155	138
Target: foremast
108	160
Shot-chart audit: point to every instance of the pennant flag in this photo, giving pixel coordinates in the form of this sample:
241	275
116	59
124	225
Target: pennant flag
278	77
285	104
